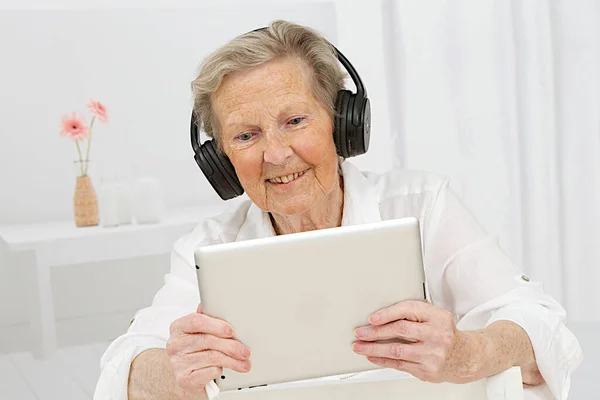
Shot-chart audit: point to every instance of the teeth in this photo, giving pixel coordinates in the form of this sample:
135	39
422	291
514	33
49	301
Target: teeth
287	178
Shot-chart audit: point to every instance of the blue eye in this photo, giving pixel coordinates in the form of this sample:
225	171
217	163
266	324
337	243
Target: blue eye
244	137
296	121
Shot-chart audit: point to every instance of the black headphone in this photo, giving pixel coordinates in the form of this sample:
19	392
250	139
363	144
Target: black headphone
351	134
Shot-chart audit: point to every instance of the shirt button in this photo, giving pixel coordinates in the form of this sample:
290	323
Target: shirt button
525	278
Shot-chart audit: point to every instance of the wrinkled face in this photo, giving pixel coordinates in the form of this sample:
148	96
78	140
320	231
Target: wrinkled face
278	136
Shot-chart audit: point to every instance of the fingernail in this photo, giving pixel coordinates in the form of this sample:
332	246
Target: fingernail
358	347
246	353
229	331
374	318
246	365
361	332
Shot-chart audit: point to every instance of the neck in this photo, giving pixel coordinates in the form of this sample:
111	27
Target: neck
327	213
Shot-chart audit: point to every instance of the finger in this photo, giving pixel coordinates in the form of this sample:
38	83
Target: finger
392	350
406	366
201	323
412	310
195	380
229	347
201	341
402	329
213	358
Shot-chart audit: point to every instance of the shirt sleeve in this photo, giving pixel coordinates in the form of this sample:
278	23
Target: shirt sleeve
151	326
472	277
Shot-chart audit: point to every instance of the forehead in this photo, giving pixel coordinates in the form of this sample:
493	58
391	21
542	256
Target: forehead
271	84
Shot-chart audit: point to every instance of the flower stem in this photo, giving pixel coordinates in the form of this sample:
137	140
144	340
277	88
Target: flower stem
87	153
80	159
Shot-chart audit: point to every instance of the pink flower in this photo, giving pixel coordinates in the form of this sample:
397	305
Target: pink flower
98	109
74	126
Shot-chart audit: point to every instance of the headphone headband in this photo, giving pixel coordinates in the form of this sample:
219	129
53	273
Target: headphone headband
194	135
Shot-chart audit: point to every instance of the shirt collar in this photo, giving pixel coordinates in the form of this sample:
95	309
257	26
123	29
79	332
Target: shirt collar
361	205
361	201
257	225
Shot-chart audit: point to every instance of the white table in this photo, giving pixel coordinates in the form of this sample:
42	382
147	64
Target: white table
39	247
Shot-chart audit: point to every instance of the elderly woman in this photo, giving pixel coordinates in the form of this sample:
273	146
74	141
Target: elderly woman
268	99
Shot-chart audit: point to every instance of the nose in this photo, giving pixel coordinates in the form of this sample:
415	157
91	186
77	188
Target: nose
278	148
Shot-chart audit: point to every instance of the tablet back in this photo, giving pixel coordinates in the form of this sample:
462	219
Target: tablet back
295	300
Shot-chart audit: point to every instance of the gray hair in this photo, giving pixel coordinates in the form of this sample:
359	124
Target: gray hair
280	40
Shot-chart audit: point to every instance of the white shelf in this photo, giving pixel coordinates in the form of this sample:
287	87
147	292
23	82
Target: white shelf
27	236
39	247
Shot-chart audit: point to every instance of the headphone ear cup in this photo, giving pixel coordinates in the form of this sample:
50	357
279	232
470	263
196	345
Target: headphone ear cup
359	118
365	126
341	122
219	171
354	123
225	166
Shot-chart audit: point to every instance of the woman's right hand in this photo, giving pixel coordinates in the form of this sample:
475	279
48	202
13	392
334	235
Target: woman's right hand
200	347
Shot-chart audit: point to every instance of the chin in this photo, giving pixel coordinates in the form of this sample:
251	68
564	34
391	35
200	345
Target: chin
291	206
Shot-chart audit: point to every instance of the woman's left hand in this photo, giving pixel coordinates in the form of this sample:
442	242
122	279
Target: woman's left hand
424	342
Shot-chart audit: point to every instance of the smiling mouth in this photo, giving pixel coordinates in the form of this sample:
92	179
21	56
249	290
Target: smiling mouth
285	179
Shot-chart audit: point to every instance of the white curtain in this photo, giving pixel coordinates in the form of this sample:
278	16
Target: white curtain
504	97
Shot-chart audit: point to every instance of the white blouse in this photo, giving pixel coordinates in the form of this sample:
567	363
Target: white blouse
466	272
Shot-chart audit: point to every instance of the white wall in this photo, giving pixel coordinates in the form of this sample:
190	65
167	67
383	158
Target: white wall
503	98
361	38
140	63
138	57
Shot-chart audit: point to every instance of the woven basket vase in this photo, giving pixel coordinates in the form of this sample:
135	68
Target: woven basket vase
85	202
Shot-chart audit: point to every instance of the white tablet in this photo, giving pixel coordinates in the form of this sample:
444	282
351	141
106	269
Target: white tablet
296	299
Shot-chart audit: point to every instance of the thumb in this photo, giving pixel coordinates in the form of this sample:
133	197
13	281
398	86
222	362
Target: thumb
199	309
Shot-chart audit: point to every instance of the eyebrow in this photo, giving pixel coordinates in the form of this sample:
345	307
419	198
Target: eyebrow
234	121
